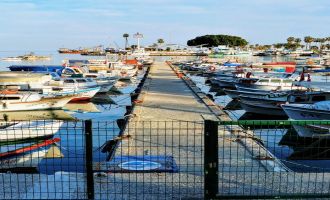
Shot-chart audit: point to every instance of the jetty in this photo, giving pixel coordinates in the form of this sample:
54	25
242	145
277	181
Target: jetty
168	122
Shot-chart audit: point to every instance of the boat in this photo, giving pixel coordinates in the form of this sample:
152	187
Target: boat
263	106
27	156
37	68
275	84
23	80
83	88
270	104
31	57
27	130
70	51
12	59
36	115
19	101
318	111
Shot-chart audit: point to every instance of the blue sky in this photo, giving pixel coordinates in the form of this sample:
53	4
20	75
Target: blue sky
50	24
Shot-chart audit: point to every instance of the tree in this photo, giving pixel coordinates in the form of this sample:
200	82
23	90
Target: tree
290	40
308	40
297	41
216	40
322	41
160	41
126	35
278	45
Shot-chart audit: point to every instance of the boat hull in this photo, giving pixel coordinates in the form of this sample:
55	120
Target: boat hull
47	103
28	130
261	108
302	113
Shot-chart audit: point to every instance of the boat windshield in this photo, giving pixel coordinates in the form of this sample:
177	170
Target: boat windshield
81	80
275	80
68	81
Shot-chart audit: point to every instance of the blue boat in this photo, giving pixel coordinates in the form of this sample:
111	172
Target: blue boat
230	64
37	68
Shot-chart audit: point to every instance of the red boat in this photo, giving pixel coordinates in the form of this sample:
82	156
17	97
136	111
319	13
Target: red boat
27	149
280	63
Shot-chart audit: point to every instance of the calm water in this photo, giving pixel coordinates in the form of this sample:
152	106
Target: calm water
102	111
276	139
104	115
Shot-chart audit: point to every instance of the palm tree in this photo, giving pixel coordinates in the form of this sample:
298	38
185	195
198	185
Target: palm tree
297	41
160	41
308	40
126	35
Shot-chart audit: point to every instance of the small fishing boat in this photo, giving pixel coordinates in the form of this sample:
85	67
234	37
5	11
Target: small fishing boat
317	111
12	59
27	156
37	68
83	88
23	80
275	84
35	115
27	130
270	104
18	101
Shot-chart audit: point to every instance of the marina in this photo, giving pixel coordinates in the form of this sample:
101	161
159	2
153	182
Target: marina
164	99
180	99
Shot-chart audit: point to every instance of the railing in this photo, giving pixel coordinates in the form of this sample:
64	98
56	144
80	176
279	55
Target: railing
268	159
101	160
164	160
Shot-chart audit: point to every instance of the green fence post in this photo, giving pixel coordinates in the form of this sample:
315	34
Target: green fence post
211	161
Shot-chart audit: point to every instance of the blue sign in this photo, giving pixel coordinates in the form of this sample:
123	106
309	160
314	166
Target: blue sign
139	165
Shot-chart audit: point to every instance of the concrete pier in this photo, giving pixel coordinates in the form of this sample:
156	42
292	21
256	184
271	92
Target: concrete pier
169	121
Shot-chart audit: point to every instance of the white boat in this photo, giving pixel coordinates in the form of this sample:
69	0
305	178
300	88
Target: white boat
270	104
35	115
83	88
23	80
24	155
28	130
275	84
12	59
317	111
18	101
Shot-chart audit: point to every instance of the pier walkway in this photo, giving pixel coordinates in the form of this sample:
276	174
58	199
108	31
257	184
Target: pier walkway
168	122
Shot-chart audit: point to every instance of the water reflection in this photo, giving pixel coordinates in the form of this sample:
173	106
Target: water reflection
298	153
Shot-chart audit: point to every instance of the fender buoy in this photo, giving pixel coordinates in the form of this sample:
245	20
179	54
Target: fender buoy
212	68
137	101
8	92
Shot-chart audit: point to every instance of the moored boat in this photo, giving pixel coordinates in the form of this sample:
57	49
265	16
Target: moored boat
18	101
27	130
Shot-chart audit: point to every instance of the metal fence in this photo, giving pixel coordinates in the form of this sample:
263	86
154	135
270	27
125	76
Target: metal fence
101	160
164	159
268	159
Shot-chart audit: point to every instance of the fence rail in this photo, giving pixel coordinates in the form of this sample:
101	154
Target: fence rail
273	159
164	159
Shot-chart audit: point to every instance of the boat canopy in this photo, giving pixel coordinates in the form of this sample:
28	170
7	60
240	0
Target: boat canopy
37	68
18	77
